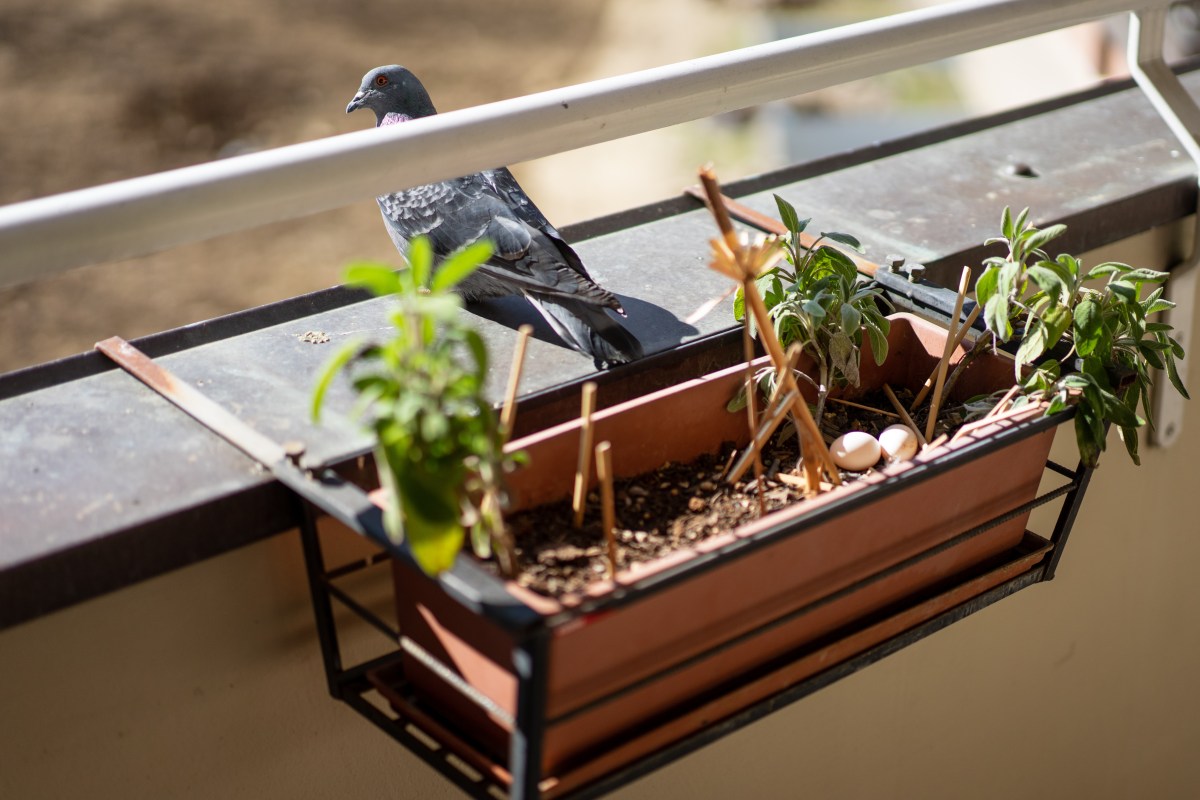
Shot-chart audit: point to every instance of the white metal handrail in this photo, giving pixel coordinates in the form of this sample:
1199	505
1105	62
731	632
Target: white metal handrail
143	215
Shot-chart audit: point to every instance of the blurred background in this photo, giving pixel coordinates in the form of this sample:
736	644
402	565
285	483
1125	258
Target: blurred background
108	89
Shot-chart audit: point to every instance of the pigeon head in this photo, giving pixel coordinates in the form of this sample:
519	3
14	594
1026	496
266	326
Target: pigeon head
394	94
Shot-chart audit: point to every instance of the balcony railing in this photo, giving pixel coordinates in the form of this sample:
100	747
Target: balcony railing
144	215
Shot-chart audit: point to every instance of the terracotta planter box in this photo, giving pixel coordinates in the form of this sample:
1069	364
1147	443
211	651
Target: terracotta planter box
809	573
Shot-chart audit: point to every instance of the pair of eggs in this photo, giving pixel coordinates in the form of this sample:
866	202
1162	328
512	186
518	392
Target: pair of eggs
858	451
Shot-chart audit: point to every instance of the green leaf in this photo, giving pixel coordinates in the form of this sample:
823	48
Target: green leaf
332	367
1157	305
813	309
1034	342
1088	326
995	316
851	318
985	287
1020	223
844	238
788	215
739	400
1058	321
1107	268
1129	437
1048	281
1039	239
877	328
460	266
1120	413
1173	374
1007	280
378	279
1089	450
420	261
1006	224
1125	292
1145	275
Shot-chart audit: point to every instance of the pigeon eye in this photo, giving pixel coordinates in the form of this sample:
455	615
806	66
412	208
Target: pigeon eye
381	80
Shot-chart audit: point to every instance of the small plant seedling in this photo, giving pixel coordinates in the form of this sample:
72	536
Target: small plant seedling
815	299
1112	344
439	447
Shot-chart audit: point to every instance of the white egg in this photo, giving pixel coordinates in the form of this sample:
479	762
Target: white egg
855	451
898	442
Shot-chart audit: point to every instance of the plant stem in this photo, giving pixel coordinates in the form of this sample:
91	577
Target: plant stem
982	345
822	392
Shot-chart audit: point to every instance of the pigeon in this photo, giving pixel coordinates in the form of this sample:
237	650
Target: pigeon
529	258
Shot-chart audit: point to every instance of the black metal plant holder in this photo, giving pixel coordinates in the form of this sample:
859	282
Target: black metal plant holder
530	656
532	633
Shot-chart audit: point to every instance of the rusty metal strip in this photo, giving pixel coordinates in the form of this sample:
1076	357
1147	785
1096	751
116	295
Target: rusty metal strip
193	402
747	215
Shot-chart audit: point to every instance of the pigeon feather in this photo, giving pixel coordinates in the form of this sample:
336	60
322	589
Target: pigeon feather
530	257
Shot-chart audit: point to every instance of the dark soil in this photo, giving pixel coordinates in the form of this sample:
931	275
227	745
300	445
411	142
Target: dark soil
675	506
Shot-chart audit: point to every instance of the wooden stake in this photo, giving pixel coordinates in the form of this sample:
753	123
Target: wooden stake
852	404
963	330
896	404
935	404
508	413
608	509
752	412
584	463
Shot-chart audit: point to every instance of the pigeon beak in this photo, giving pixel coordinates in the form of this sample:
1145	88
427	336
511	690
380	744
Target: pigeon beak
356	103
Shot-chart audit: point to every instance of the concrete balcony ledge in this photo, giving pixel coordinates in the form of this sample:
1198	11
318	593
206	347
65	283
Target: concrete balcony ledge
106	484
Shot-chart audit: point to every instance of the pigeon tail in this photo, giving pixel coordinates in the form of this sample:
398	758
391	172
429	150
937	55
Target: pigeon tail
588	329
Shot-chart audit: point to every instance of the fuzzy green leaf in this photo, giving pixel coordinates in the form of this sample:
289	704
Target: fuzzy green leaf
378	279
1039	239
1034	342
1048	281
788	215
985	287
877	328
1145	275
460	266
1088	326
995	315
844	238
332	367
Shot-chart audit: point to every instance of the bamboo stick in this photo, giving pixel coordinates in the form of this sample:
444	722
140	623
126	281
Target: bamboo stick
584	462
774	417
853	404
895	401
608	510
963	330
964	283
751	412
508	413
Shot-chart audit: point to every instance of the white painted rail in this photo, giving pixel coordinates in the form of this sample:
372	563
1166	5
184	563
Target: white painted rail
135	217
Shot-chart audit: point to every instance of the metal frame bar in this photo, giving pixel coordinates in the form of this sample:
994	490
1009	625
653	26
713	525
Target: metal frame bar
530	661
143	215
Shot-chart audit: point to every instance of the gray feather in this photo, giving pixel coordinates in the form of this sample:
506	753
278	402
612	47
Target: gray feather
530	258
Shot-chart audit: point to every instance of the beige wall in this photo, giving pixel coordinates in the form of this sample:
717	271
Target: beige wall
207	683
